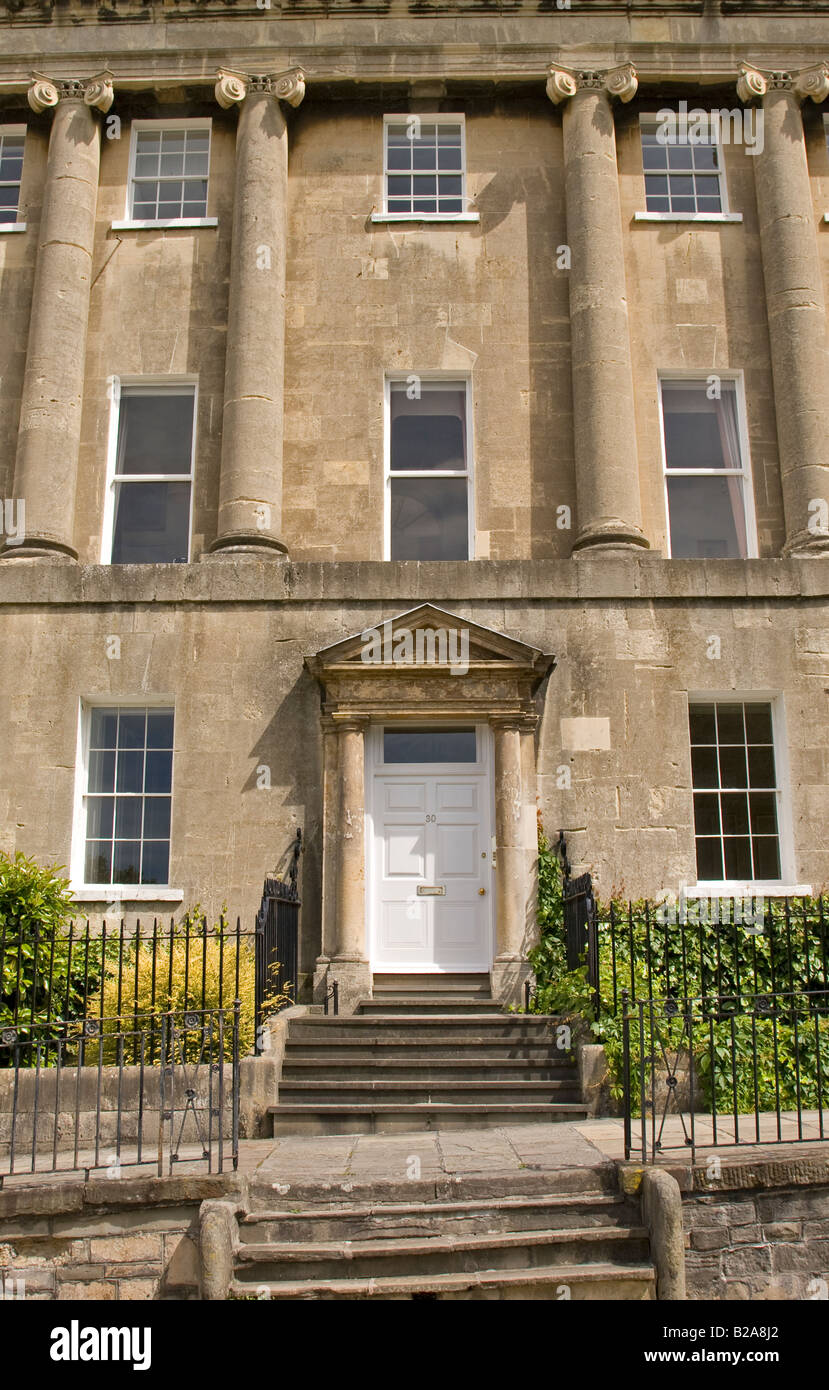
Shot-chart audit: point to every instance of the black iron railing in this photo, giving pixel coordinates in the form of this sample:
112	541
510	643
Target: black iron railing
723	1070
277	942
57	976
120	1092
721	946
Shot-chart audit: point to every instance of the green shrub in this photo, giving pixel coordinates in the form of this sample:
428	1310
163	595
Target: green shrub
35	909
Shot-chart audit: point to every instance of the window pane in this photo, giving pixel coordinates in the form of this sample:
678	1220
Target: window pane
704	767
429	519
155	433
101	772
156	861
152	523
766	858
761	767
157	818
758	724
709	859
706	813
737	857
733	767
98	862
130	772
706	516
734	814
131	729
703	723
730	726
159	729
429	746
763	813
428	432
159	777
103	728
128	818
99	817
126	861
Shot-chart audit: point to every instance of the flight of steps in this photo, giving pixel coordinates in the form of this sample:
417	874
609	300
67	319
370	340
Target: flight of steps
578	1245
425	1052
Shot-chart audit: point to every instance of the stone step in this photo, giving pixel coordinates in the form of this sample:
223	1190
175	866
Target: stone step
628	1283
384	1091
440	1254
394	1005
430	984
440	1029
321	1067
410	1050
419	1219
401	1118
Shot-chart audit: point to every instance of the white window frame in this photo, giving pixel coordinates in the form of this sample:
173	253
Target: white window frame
445	118
145	386
462	380
112	893
648	122
701	377
15	226
786	885
130	223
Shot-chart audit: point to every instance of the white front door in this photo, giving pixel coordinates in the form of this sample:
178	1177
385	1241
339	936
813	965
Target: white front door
430	896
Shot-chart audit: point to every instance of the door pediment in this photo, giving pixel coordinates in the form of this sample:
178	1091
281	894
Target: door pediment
430	663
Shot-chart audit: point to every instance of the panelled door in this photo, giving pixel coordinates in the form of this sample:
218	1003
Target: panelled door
430	898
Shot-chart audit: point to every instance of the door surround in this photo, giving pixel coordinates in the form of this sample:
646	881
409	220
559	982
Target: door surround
392	674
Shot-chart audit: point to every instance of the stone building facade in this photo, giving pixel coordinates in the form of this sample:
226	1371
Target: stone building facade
405	428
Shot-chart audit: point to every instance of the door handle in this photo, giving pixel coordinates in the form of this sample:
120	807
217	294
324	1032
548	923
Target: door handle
481	892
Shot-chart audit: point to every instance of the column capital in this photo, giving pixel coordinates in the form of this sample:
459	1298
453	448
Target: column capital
563	83
45	92
232	86
813	82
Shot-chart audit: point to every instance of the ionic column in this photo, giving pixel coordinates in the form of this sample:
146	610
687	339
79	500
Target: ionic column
607	468
48	444
250	489
514	895
795	301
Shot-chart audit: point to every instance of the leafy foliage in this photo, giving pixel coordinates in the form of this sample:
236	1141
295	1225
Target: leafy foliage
747	1049
35	965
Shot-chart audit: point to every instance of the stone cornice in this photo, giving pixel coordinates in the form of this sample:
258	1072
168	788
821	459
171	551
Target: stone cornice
754	82
644	577
232	86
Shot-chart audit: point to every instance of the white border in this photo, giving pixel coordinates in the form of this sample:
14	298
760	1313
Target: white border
650	119
128	222
462	380
437	118
777	887
113	892
16	226
725	374
173	385
483	768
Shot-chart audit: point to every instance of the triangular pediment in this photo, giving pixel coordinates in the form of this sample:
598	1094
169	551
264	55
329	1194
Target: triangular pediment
429	638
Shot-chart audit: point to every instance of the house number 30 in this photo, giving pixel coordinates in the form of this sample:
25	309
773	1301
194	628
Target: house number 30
428	818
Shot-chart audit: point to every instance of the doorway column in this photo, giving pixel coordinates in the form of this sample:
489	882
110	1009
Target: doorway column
515	854
795	301
349	964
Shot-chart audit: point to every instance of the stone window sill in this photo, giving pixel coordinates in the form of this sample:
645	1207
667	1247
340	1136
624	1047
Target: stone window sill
687	217
425	217
174	222
12	226
721	889
145	893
